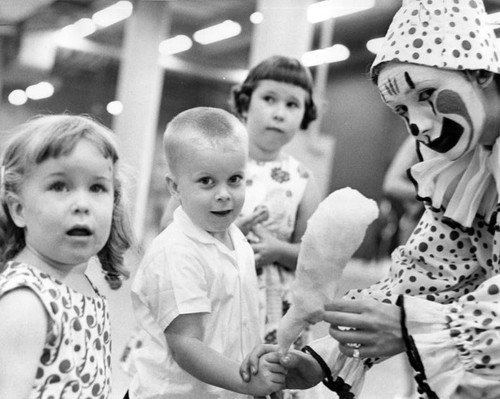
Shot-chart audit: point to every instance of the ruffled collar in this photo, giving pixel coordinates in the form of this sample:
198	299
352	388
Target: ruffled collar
462	189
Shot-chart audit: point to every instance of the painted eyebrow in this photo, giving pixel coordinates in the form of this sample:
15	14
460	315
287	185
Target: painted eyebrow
409	81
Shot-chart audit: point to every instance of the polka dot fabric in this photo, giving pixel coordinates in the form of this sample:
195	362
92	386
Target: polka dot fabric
475	328
438	263
76	359
449	34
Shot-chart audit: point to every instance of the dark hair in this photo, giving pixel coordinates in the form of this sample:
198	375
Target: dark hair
280	69
52	136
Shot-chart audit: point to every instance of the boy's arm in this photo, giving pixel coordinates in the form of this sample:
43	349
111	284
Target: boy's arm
23	329
184	338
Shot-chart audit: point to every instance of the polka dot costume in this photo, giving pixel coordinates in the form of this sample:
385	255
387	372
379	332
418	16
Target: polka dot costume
449	34
76	359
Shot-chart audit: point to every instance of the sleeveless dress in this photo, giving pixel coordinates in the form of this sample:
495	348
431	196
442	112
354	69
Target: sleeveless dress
279	186
76	358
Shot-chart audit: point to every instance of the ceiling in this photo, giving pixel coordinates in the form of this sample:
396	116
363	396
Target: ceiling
23	19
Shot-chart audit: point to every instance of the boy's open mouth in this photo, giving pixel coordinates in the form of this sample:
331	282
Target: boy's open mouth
221	213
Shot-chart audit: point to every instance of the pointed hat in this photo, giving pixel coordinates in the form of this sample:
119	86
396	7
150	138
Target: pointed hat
449	34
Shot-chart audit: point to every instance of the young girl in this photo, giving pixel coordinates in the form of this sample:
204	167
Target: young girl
275	102
61	204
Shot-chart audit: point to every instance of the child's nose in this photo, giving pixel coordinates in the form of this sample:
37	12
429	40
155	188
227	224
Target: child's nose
81	203
223	194
279	112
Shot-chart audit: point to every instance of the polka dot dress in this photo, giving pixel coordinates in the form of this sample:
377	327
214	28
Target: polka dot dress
449	34
76	359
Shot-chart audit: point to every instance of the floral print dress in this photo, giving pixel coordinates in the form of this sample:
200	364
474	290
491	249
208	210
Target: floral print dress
76	359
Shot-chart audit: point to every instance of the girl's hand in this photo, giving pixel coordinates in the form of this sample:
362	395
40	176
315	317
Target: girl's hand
267	249
246	223
373	325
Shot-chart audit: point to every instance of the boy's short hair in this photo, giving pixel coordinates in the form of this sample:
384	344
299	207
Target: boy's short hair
199	123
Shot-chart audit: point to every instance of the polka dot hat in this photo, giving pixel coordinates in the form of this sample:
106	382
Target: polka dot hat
449	34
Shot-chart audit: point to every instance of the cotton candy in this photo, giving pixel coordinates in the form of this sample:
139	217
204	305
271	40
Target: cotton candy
334	232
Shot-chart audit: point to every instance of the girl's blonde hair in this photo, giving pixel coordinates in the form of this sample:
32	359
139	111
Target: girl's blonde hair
52	136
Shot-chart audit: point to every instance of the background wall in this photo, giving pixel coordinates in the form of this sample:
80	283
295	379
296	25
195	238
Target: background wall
355	142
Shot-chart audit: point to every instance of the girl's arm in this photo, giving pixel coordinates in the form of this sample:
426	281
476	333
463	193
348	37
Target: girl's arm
270	249
23	330
184	338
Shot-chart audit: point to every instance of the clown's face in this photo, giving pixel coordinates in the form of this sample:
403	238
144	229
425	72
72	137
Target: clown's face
443	109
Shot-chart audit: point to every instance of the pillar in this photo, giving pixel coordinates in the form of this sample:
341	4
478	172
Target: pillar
283	31
140	85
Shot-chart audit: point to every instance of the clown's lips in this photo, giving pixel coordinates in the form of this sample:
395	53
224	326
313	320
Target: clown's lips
450	136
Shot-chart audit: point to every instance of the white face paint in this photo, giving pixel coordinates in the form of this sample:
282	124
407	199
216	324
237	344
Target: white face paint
443	109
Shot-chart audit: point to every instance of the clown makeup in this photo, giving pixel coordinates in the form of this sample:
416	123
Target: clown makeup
443	109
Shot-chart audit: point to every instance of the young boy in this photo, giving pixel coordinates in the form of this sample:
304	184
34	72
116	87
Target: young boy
195	293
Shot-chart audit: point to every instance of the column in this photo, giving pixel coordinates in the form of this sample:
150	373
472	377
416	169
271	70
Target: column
139	89
283	31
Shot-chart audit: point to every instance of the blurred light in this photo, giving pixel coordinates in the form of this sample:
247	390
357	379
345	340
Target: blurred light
327	9
113	14
256	18
175	45
218	32
81	28
336	53
17	97
40	90
373	45
114	107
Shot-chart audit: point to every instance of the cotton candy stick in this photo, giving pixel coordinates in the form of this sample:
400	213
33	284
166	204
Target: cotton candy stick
334	232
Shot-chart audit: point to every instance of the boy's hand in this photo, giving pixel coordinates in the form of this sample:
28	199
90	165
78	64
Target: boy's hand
303	371
270	376
250	365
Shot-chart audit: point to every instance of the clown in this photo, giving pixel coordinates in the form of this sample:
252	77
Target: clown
439	70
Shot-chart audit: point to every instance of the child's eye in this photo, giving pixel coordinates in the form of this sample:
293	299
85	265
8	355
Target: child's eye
293	104
206	181
236	179
269	99
99	188
426	94
58	186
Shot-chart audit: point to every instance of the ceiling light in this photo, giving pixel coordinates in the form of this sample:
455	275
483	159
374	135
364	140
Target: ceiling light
17	97
114	107
40	91
336	53
218	32
175	45
113	14
323	10
81	28
374	45
256	18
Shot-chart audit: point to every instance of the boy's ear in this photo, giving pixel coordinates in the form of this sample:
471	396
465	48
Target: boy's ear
172	185
16	210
